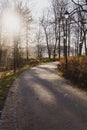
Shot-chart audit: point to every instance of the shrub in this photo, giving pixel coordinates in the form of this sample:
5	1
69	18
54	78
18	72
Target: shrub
76	71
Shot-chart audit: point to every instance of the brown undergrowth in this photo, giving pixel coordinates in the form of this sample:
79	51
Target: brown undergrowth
76	70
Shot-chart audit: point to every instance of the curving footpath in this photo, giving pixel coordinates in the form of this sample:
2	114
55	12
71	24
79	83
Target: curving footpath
41	100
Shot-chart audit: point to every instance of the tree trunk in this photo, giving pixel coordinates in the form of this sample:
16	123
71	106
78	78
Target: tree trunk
85	46
59	51
49	52
68	40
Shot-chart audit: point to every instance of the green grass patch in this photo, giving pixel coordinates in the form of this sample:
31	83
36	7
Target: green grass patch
5	84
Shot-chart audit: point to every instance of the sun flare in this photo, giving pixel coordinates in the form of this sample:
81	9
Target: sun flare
11	22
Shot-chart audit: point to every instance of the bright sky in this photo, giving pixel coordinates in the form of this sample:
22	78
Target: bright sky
38	6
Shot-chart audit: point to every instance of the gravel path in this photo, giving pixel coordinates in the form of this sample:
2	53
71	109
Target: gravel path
41	100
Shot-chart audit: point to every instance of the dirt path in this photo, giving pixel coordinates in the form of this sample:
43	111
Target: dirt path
41	100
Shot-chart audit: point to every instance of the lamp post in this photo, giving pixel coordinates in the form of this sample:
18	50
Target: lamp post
66	15
59	39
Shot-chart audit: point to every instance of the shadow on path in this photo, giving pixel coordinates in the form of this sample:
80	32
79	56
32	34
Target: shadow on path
44	101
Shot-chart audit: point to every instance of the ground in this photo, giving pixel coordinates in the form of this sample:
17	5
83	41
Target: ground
41	100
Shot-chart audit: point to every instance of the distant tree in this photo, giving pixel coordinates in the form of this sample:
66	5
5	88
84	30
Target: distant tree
45	24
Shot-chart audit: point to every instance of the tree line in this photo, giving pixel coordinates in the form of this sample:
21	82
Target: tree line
66	33
14	48
57	35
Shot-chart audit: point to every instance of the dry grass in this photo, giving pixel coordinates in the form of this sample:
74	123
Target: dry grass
77	70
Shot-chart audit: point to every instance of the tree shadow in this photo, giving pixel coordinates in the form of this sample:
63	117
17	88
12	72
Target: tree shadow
45	106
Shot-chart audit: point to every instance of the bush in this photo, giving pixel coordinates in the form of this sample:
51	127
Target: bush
76	71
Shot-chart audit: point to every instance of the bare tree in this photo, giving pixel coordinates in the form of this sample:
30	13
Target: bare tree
39	43
26	17
14	41
45	24
80	11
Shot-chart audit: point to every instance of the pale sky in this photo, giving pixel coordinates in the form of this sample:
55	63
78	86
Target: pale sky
38	6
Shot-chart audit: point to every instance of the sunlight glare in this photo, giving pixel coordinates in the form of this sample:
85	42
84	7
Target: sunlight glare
11	22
